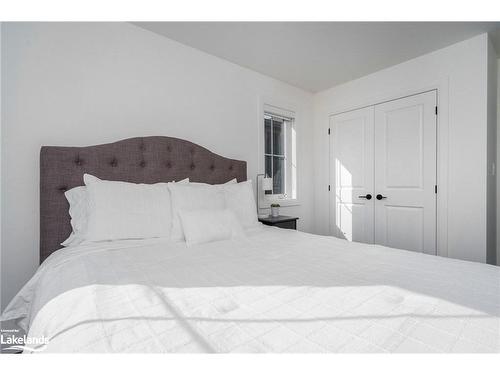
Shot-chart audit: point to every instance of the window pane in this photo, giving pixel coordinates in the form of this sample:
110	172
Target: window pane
279	175
267	132
269	168
278	137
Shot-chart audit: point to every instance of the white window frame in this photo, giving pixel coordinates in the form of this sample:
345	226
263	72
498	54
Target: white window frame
291	146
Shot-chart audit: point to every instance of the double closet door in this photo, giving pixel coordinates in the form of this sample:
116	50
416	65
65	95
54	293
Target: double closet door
384	172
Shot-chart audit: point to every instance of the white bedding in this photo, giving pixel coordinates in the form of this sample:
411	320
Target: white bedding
273	291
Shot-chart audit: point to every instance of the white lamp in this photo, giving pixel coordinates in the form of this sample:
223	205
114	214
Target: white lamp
267	184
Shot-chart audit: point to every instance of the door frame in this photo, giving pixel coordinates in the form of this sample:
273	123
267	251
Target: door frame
442	133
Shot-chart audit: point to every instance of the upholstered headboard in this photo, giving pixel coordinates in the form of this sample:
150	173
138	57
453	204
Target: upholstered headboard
147	160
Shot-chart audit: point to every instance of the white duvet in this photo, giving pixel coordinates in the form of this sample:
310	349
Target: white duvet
274	291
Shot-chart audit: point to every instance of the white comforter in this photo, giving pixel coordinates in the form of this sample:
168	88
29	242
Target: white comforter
275	291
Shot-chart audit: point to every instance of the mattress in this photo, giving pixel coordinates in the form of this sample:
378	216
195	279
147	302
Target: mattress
274	291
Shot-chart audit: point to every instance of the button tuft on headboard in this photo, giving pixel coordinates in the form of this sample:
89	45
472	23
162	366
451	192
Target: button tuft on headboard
142	164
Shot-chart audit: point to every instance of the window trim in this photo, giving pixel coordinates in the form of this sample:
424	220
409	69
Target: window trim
264	201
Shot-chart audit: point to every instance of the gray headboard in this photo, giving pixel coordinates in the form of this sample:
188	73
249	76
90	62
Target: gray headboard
147	160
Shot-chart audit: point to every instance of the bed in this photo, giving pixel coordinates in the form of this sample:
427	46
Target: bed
273	290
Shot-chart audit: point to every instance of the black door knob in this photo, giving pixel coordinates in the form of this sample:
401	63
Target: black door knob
380	197
367	196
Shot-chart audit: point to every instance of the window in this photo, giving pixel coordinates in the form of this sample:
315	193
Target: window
280	155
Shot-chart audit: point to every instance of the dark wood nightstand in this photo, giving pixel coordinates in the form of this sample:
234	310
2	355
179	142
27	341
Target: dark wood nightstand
286	222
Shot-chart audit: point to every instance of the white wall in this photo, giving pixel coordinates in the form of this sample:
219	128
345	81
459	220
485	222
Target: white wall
460	74
84	84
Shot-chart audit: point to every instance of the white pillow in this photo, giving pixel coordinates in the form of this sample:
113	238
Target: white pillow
78	210
193	197
239	198
124	210
201	226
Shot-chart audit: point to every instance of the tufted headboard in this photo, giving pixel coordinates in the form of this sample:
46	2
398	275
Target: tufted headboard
147	160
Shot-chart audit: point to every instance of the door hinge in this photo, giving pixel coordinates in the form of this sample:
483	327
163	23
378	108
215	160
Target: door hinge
435	189
436	110
328	187
328	131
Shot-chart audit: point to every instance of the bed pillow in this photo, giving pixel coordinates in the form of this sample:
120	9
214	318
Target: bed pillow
201	226
124	210
187	197
77	198
78	210
121	210
239	198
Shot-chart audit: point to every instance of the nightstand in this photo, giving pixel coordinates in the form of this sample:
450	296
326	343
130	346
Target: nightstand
285	222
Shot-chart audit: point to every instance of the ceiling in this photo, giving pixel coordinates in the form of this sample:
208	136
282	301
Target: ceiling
318	55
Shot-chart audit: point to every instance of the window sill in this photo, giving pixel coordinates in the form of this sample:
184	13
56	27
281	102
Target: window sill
282	202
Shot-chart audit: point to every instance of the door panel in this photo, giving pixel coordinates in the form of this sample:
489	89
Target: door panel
405	173
404	227
352	158
403	147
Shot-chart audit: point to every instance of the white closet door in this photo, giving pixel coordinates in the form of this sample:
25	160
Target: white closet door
405	173
352	146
